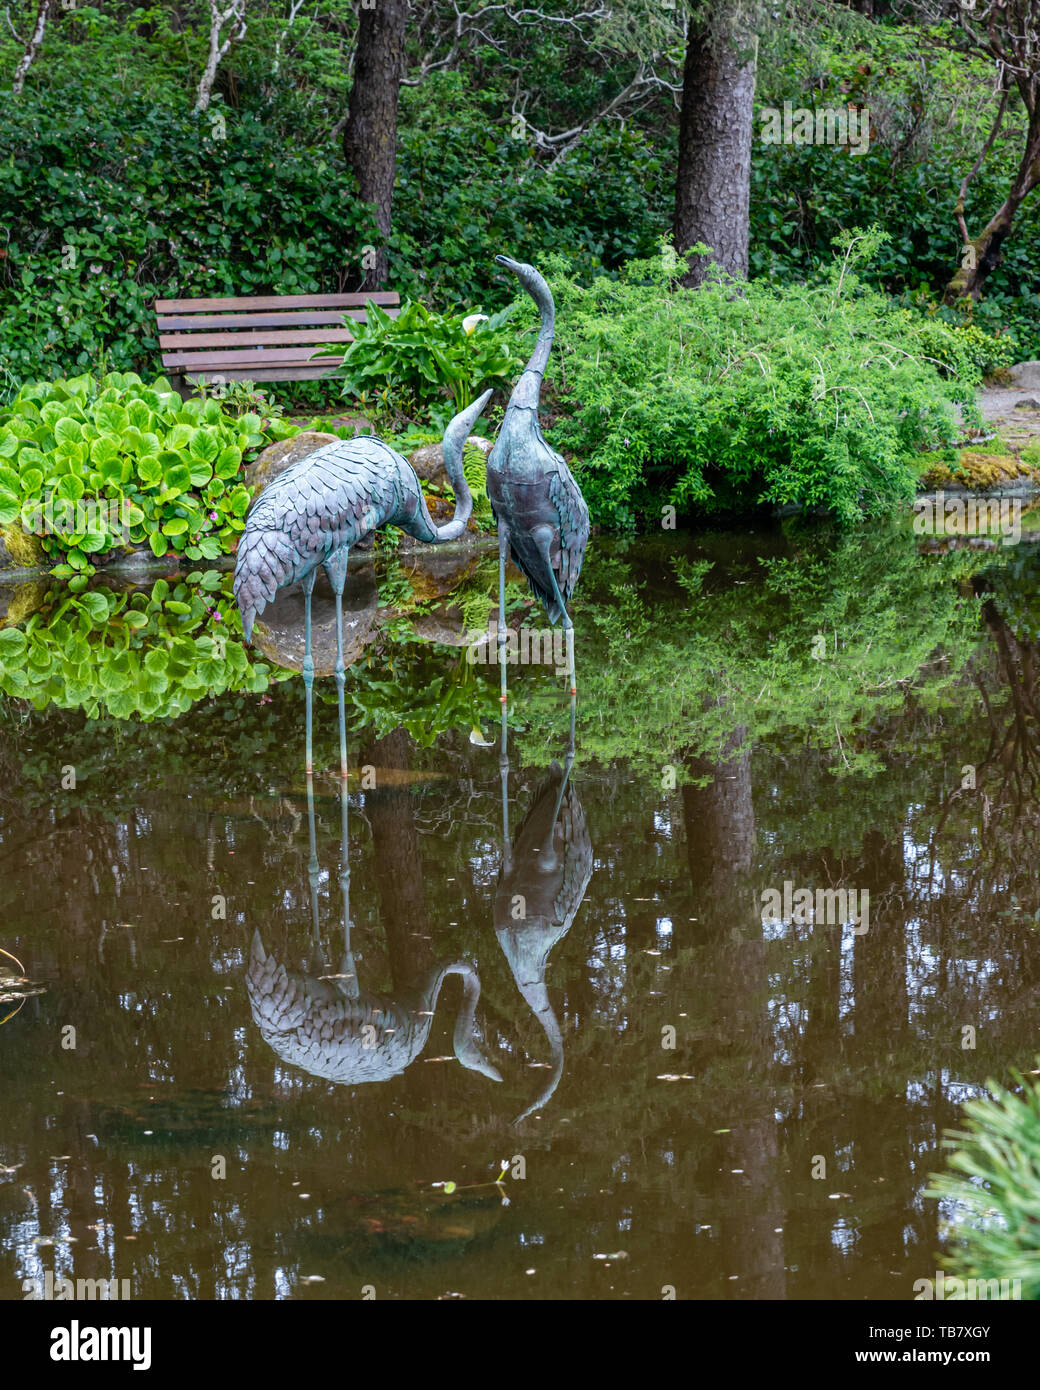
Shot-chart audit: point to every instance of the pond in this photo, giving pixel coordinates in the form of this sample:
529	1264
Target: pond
610	1050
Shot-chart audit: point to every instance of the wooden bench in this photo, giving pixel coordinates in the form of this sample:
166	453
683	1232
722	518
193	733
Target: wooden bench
269	338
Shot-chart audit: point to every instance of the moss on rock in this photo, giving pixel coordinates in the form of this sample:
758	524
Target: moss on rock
978	470
20	549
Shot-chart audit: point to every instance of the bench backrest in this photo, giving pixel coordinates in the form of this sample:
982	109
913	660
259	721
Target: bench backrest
268	338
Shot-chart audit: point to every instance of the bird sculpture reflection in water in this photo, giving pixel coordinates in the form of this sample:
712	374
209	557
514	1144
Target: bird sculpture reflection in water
543	522
322	505
545	872
331	1027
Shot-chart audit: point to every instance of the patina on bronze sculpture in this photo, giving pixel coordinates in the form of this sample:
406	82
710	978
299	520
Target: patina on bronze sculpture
543	522
331	1027
321	506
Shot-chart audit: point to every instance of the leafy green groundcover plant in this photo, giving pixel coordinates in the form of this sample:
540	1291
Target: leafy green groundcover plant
730	397
148	655
997	1188
142	465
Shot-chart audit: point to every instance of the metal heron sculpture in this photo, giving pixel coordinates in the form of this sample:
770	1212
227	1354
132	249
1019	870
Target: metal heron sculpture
547	867
322	505
542	518
330	1026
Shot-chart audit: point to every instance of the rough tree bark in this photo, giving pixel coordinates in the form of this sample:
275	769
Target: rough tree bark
370	135
235	14
713	183
32	47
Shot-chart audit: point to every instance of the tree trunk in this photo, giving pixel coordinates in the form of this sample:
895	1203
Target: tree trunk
721	846
713	183
370	135
720	822
235	12
395	838
983	253
32	47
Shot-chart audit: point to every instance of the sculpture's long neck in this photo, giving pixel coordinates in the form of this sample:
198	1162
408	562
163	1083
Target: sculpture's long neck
528	389
432	989
424	528
466	1049
470	986
455	436
537	996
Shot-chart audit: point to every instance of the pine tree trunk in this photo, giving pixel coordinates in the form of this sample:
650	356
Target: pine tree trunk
713	185
370	135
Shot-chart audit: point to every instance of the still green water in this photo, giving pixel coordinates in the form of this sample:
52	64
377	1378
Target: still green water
720	1105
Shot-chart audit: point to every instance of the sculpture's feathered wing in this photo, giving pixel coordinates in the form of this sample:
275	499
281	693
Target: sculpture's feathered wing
334	1029
330	498
528	483
557	501
312	1024
335	497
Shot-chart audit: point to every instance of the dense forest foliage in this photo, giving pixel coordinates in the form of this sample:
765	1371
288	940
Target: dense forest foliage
524	131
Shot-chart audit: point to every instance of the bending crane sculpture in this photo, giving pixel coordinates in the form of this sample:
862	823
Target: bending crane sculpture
329	1025
542	518
323	504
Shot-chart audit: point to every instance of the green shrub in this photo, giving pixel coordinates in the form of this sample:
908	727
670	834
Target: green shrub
142	465
468	188
107	208
996	1185
404	366
958	347
731	397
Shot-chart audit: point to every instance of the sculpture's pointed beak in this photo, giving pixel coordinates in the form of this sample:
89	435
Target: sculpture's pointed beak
473	1059
514	266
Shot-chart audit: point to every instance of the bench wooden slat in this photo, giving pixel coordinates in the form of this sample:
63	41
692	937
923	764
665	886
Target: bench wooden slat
262	339
280	301
260	357
262	374
193	321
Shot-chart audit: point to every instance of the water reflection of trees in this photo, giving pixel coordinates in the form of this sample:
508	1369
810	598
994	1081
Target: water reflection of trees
797	1041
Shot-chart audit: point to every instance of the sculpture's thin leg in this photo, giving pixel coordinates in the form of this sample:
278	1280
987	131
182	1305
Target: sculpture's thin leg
308	661
503	555
503	767
336	569
312	875
542	537
348	985
547	855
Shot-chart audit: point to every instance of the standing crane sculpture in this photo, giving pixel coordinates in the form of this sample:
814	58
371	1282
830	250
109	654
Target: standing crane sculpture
548	866
322	505
542	518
